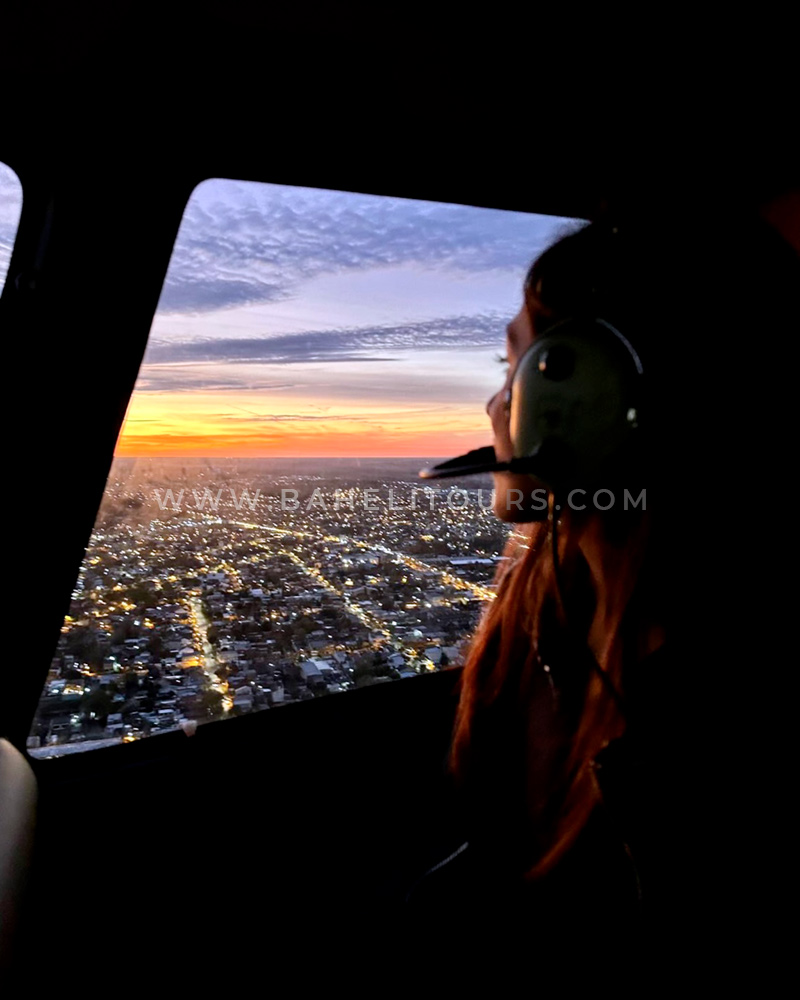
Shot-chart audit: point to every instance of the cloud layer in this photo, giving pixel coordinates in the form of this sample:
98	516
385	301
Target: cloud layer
334	345
300	321
10	208
246	243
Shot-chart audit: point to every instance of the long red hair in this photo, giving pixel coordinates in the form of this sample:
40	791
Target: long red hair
535	710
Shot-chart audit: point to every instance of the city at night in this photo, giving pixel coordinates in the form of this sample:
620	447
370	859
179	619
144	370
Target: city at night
213	589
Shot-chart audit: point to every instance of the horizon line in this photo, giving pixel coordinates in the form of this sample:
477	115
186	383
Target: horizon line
310	458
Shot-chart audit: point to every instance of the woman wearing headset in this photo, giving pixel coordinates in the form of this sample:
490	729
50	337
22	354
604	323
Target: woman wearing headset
598	696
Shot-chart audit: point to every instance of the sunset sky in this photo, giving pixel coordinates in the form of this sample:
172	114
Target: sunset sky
308	322
10	208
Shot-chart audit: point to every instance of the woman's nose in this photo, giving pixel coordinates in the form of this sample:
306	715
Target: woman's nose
506	397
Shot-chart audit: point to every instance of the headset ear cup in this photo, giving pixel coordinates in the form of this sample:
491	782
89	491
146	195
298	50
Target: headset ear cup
574	401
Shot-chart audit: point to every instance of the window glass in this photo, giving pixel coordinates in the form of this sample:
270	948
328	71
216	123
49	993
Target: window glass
10	210
264	538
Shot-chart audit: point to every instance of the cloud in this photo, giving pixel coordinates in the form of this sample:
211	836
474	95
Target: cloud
196	376
359	344
10	198
242	242
10	208
294	417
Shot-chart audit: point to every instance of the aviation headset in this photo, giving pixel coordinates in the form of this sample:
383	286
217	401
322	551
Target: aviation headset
573	409
573	405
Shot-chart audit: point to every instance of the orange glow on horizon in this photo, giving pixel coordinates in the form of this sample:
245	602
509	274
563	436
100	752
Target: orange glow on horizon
200	425
331	446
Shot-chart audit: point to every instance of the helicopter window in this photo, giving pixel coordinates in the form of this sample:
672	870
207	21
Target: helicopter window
264	538
10	210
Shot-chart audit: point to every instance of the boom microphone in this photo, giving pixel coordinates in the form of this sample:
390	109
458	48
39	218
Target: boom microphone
480	460
471	464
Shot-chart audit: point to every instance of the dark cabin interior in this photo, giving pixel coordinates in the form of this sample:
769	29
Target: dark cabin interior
202	850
